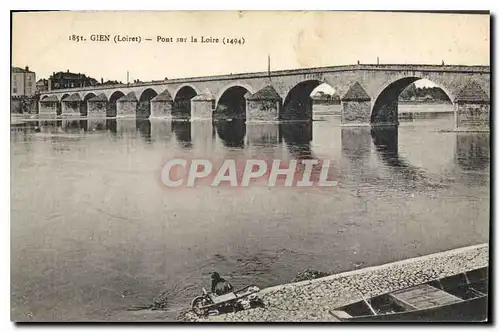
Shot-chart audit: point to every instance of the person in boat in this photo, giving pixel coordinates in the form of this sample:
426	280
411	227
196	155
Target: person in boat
220	286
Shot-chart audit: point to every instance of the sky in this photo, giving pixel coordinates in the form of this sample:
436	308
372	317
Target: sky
41	40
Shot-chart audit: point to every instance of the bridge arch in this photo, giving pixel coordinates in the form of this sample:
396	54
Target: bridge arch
84	103
85	94
111	107
297	104
385	102
144	104
231	102
232	84
185	87
182	101
66	95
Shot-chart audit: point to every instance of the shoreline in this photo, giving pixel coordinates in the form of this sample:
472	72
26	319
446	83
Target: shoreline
311	300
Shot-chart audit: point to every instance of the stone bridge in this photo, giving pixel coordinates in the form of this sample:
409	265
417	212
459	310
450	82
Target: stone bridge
368	94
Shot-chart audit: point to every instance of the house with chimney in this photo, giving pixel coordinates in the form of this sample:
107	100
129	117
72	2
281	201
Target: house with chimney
23	90
23	82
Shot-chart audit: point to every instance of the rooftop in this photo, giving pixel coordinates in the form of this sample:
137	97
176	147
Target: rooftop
21	70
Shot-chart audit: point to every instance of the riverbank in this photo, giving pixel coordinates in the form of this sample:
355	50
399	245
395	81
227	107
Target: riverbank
312	300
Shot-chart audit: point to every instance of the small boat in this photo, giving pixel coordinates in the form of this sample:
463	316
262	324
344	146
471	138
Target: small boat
459	298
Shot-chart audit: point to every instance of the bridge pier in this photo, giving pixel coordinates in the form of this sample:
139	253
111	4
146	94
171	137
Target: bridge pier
126	109
161	109
355	107
126	106
202	106
264	105
472	116
97	107
161	106
472	109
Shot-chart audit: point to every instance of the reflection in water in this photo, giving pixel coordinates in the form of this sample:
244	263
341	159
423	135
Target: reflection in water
83	124
385	140
298	137
48	126
161	130
182	131
472	152
73	126
356	142
101	195
90	125
231	133
202	135
126	127
111	125
265	134
95	124
144	127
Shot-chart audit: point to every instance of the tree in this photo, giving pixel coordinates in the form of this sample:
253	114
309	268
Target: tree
408	92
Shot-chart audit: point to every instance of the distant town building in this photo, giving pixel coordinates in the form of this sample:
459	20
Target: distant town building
42	85
65	80
23	82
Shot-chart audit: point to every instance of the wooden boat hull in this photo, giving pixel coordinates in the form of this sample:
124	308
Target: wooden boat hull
458	298
474	310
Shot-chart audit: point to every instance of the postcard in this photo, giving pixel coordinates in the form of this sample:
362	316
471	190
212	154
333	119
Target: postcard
250	166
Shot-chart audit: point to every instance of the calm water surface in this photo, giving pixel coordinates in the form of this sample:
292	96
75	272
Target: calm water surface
94	232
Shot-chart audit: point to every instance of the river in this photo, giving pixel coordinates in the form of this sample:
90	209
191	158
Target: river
94	231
